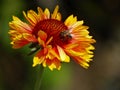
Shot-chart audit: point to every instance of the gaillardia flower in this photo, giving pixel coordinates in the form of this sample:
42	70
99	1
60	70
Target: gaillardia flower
53	40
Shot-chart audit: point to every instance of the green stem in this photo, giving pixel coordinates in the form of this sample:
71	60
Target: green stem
40	70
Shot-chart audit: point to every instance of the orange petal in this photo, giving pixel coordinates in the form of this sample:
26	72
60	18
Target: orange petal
41	42
50	39
42	35
29	37
54	54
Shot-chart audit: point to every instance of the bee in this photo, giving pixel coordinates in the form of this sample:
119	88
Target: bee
65	35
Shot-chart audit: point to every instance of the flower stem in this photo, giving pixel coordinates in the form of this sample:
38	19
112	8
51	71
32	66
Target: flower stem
40	70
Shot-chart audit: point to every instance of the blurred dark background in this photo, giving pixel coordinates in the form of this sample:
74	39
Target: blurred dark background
103	18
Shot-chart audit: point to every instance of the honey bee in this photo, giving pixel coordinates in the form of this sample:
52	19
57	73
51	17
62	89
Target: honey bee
65	36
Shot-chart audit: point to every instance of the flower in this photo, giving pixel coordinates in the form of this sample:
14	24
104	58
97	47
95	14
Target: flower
53	40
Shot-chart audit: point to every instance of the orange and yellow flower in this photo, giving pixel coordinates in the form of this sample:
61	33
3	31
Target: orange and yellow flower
53	40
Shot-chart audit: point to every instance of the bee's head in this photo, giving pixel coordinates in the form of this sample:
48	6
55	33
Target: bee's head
65	35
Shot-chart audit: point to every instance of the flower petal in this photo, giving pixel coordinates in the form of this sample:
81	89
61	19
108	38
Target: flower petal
40	13
37	60
47	13
70	20
20	26
58	17
32	17
55	65
84	65
63	56
42	35
54	53
20	40
41	42
76	24
49	40
54	15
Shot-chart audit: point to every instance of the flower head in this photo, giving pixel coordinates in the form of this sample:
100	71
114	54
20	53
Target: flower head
55	41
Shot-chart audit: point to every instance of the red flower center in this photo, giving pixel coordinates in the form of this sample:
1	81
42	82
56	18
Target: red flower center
54	28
